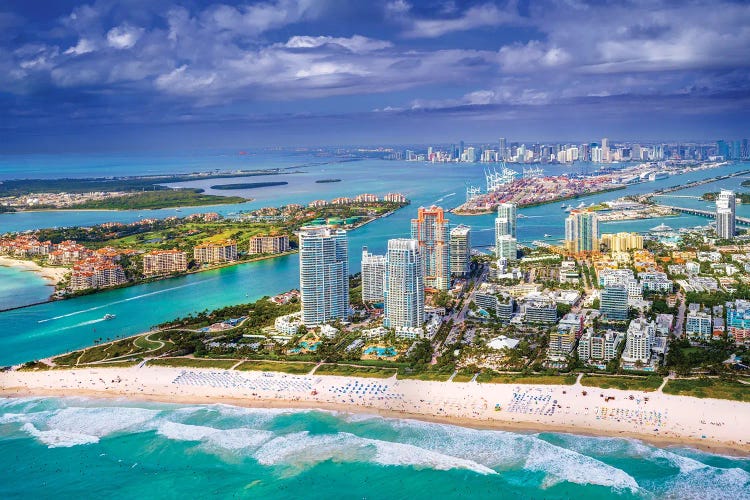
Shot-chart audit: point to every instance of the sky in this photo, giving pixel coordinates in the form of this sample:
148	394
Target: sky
160	75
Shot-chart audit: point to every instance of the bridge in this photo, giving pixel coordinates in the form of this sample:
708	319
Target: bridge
678	196
745	221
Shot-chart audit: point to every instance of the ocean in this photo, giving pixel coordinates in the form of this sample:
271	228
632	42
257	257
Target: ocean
87	448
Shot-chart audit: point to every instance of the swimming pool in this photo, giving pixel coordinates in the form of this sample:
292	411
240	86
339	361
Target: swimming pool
387	352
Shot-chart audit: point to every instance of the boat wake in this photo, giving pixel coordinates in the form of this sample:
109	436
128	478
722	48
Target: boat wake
108	304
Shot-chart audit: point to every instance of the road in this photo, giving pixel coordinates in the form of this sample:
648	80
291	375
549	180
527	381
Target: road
680	315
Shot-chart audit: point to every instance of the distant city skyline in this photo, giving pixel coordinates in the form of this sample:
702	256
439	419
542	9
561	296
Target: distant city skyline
141	76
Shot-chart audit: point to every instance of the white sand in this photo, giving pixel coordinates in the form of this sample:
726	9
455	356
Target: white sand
716	425
52	274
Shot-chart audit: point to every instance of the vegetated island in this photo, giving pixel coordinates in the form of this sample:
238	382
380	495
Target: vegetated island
327	181
741	197
163	198
247	185
19	187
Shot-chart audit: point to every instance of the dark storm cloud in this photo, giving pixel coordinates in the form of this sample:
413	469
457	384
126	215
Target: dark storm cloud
138	62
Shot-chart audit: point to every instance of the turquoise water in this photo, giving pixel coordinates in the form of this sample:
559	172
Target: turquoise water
75	447
381	351
52	328
19	287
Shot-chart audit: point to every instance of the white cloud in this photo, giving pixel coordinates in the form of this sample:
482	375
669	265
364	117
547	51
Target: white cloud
84	46
397	7
180	81
255	19
356	43
124	36
532	56
479	16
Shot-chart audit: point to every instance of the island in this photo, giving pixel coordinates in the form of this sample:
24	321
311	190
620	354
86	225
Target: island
84	260
118	193
247	185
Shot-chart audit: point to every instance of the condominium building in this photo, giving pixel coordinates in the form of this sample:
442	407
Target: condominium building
164	262
404	285
698	325
430	229
268	244
218	251
505	223
506	247
539	310
460	250
622	242
582	232
492	299
738	320
726	206
395	198
96	274
599	346
614	302
323	274
655	281
561	343
373	276
639	340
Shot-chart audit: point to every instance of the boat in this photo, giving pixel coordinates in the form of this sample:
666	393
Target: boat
581	205
547	235
661	228
109	316
569	209
563	206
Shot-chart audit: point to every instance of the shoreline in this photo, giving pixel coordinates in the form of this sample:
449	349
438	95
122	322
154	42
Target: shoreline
686	419
53	275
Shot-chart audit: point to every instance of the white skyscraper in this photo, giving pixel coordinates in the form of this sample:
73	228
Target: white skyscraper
373	276
638	341
726	205
404	284
505	223
460	250
323	274
506	248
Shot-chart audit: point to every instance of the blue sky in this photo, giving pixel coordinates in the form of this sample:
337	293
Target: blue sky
166	75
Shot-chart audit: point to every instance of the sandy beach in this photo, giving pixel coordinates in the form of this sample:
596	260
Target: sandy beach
52	274
718	426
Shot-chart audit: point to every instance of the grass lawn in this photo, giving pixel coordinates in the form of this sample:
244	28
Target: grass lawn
500	378
650	383
355	371
426	375
115	364
224	364
464	376
67	359
295	368
709	388
144	343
